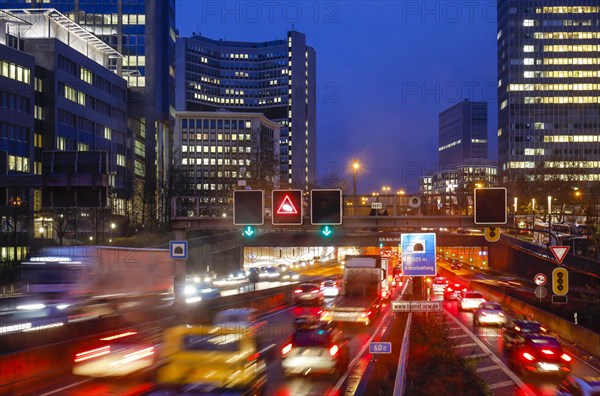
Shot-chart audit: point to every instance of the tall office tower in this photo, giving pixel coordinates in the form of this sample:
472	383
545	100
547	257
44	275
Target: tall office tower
144	32
549	91
463	134
276	78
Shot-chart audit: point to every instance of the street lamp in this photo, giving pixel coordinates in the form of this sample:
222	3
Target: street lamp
355	167
385	189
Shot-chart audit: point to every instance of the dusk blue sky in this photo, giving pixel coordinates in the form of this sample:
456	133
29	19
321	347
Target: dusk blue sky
385	70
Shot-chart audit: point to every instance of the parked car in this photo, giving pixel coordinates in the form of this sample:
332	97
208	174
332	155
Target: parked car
315	348
579	386
519	326
489	313
308	293
470	300
539	354
115	355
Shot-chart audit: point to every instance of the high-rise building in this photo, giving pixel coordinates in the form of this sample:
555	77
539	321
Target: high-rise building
276	78
143	31
218	152
463	134
549	90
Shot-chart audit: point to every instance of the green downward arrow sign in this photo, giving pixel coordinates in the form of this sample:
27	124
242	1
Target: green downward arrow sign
249	231
326	231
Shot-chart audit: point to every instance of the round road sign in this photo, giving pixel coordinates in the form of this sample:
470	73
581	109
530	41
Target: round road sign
541	292
540	279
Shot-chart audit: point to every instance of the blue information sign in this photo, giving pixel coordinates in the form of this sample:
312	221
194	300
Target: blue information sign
380	347
178	249
418	254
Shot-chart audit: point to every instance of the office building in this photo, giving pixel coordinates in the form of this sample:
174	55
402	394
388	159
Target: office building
463	134
276	78
549	91
143	31
218	152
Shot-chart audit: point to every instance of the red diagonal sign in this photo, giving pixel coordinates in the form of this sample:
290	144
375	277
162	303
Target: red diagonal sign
559	252
287	207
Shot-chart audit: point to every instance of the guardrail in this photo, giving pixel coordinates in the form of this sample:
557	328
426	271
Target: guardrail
400	382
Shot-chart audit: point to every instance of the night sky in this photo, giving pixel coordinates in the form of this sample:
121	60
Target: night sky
385	70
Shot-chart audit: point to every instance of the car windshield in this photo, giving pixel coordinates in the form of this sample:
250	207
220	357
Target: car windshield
491	306
211	342
329	284
310	337
307	288
545	342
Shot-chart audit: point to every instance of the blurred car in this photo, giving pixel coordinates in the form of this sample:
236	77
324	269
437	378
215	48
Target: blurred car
195	292
308	293
539	353
273	273
470	300
489	313
454	291
238	276
212	359
306	320
316	348
291	276
330	288
439	284
455	265
518	326
116	355
238	318
579	386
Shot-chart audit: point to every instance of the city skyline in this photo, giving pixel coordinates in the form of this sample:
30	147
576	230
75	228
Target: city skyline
441	53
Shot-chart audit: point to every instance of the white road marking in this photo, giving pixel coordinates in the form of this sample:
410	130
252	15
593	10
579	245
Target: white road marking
488	368
65	387
501	384
465	345
459	336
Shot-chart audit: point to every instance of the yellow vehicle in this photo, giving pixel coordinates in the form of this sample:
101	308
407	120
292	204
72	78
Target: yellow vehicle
209	358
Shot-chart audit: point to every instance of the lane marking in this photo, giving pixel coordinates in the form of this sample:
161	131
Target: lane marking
65	387
488	368
465	345
494	358
475	356
501	384
459	336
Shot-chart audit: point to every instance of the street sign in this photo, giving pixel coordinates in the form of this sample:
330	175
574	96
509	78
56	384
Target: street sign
380	347
248	207
249	231
326	231
377	205
418	254
540	279
178	249
559	299
492	234
559	252
286	207
560	281
326	207
490	205
540	292
416	306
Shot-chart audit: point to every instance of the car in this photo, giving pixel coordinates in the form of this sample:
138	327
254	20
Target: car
539	354
470	300
308	293
207	358
317	348
115	355
439	284
455	265
519	326
454	291
489	313
579	386
195	292
330	288
291	276
246	318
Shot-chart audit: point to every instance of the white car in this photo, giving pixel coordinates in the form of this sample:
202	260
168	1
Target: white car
489	313
470	300
330	288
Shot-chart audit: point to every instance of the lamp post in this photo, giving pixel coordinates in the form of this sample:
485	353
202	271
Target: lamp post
355	167
112	228
550	220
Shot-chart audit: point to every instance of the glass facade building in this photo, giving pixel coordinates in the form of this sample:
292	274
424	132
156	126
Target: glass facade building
549	90
143	31
276	78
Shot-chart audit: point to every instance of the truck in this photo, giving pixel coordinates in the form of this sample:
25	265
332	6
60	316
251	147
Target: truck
101	279
361	296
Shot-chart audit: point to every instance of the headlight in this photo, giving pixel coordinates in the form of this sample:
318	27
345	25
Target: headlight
30	307
189	290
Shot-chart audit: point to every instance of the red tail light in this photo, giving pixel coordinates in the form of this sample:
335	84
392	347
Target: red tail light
253	357
566	357
286	349
80	357
528	356
334	350
314	291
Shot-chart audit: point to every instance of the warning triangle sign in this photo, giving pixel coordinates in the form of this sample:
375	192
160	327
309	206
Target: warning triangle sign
559	252
287	207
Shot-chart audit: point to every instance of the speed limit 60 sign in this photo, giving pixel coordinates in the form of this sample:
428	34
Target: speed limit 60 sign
380	347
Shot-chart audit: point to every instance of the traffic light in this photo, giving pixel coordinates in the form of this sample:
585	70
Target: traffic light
248	207
286	207
249	232
327	231
490	205
560	281
326	207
